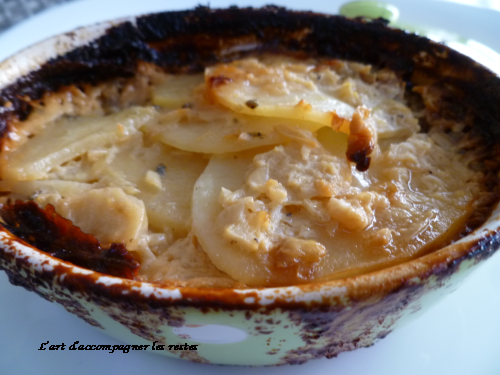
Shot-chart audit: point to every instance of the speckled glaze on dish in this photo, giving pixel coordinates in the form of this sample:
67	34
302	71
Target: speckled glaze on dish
250	326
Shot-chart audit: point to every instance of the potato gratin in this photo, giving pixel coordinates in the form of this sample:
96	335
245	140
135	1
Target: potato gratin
264	171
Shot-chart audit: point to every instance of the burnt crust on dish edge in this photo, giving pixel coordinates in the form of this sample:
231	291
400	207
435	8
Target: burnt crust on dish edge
178	41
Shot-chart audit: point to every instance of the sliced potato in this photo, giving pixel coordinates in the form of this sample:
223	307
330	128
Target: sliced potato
228	172
69	138
218	138
29	189
213	129
288	216
274	240
279	89
334	142
278	203
109	214
177	90
167	202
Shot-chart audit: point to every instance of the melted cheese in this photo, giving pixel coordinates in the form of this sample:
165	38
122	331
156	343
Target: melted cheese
241	177
298	212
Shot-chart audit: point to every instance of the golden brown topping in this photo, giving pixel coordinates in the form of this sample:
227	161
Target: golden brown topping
361	141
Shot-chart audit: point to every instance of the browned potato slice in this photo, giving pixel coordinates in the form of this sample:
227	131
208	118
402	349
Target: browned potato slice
279	88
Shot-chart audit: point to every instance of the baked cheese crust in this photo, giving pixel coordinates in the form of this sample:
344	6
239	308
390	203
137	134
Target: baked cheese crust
264	171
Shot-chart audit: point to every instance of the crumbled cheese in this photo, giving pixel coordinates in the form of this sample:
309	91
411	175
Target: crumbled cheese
153	180
292	251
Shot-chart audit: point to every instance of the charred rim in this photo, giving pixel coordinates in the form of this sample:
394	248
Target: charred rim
190	40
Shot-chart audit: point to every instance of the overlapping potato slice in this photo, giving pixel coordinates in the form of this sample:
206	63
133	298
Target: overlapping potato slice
278	203
69	138
257	220
210	128
177	90
213	129
266	230
123	219
334	142
224	172
161	177
219	138
281	88
296	213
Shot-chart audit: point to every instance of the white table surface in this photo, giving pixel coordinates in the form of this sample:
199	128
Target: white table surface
459	336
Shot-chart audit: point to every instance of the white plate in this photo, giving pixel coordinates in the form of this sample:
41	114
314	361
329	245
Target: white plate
459	336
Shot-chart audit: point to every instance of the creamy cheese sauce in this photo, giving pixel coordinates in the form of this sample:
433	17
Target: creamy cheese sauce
239	176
